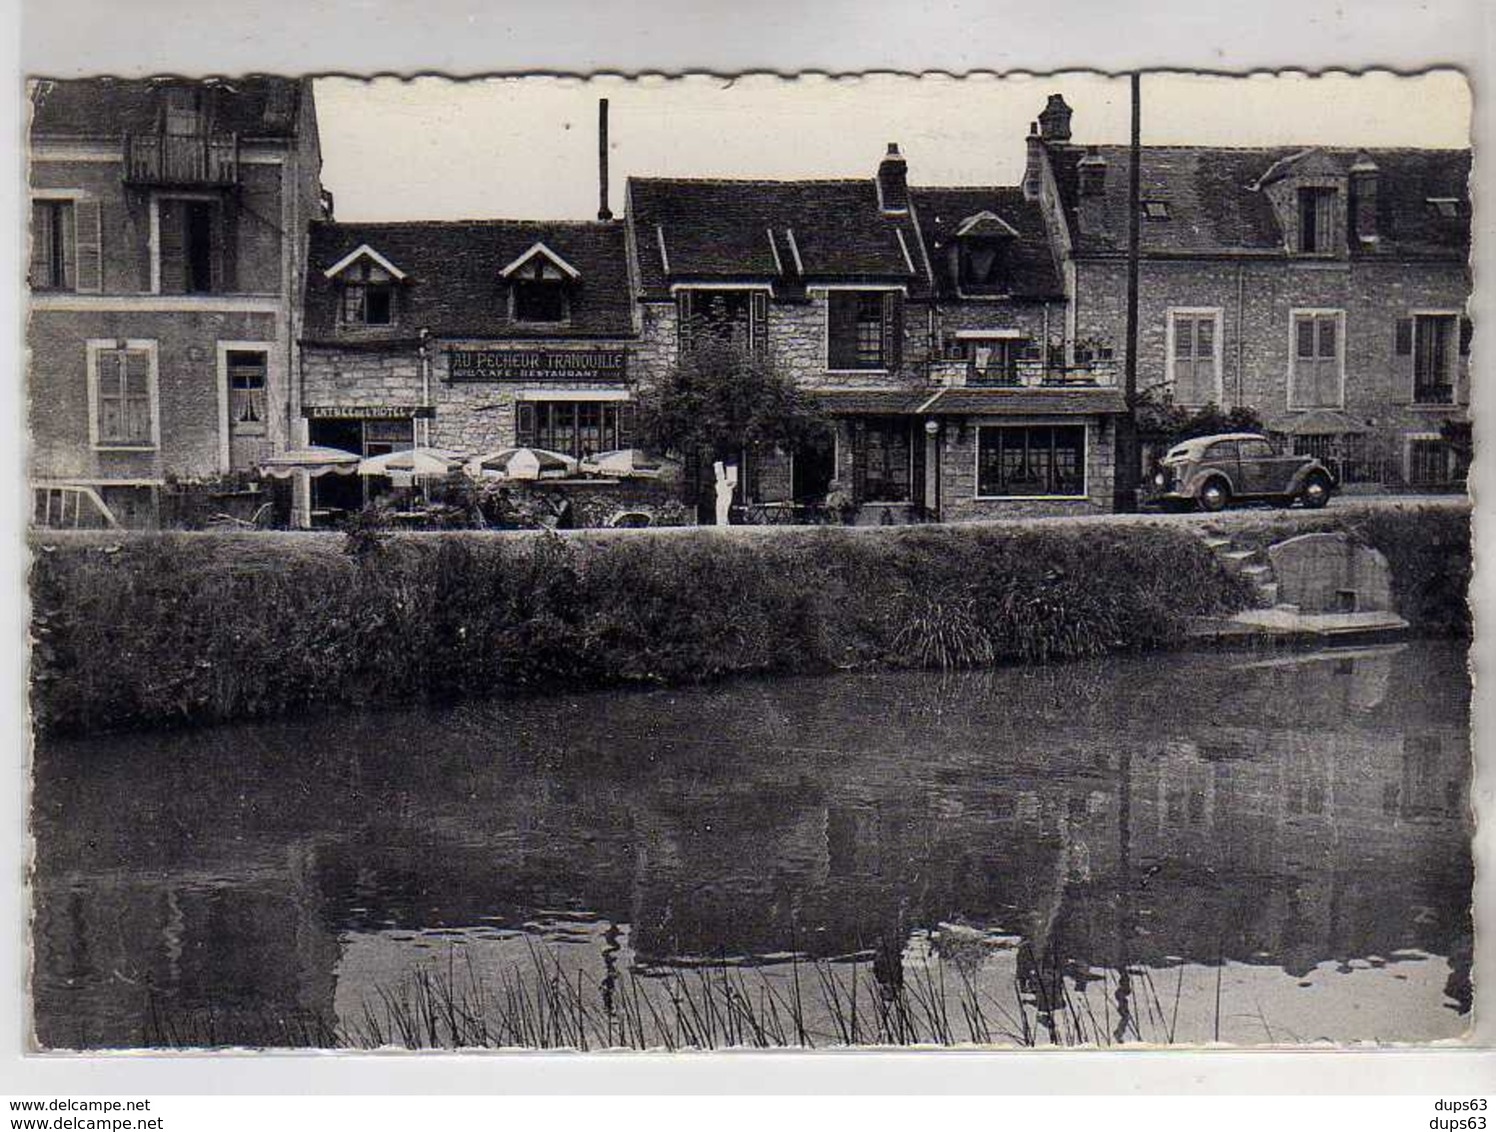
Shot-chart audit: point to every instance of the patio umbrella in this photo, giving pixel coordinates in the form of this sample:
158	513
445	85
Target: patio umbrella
522	464
627	463
313	460
412	462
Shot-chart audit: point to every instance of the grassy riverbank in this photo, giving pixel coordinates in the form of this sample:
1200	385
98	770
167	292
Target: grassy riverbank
154	630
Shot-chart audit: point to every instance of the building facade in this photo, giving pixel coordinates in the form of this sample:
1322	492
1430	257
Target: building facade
168	223
1325	289
947	388
465	335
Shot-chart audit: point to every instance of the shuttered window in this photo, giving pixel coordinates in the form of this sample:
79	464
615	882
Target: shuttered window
1315	380
88	251
191	246
123	397
1428	343
1195	357
864	330
53	262
1317	226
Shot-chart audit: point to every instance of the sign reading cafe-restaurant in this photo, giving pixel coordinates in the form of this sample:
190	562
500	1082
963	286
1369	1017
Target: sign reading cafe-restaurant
537	365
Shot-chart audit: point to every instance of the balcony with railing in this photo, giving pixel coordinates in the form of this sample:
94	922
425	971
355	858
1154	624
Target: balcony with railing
1024	374
182	160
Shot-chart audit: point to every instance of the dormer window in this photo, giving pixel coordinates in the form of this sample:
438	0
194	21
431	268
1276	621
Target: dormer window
984	245
1317	221
539	295
366	288
183	111
540	286
368	296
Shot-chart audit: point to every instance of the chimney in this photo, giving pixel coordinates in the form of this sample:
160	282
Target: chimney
1033	169
1091	173
1054	121
1363	185
893	181
603	212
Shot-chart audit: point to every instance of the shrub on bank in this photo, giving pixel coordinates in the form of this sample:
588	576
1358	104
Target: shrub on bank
146	630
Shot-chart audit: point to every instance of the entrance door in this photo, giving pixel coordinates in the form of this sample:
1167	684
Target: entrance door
814	468
248	409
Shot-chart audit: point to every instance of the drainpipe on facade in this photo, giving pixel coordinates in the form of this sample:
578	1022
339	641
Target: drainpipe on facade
1241	322
425	336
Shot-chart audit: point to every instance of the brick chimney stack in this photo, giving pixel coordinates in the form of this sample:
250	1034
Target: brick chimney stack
1363	185
1033	169
893	182
1054	120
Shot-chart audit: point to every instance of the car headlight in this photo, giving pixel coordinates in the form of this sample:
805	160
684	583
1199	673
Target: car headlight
1160	479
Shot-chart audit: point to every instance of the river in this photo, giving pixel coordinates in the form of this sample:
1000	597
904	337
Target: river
1178	848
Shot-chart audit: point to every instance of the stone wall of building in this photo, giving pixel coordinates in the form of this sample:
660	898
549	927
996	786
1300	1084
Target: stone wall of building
190	391
958	474
1256	300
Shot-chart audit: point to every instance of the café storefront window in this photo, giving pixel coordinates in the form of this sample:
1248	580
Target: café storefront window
575	428
1031	460
884	457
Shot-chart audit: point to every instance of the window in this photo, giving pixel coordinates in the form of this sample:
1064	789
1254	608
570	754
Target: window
1031	460
886	458
983	264
368	297
994	361
1255	450
1315	376
865	330
246	377
1156	210
539	301
191	246
52	265
183	111
1431	341
122	382
1446	208
1316	220
1432	462
1194	357
575	428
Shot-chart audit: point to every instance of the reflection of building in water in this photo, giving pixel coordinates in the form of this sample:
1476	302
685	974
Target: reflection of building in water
830	817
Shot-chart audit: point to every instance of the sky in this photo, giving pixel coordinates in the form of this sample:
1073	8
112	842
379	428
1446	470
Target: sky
434	148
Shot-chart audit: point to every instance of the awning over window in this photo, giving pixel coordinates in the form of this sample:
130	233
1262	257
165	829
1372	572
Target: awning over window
959	400
870	402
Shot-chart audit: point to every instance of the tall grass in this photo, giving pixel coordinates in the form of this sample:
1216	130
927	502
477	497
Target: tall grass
802	1003
152	630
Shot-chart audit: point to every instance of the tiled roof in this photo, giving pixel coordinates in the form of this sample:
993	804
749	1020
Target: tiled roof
1029	402
1213	207
1031	265
859	402
454	287
785	232
256	106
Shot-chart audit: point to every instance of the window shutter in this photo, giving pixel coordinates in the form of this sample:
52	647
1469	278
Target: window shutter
628	416
1404	342
136	366
859	461
41	245
893	330
524	424
1467	330
683	316
172	247
89	254
226	241
841	329
758	323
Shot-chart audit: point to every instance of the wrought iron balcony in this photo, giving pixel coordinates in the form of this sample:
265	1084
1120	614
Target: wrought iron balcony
182	160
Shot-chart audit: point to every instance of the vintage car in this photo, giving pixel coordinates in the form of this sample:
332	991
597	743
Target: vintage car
1212	471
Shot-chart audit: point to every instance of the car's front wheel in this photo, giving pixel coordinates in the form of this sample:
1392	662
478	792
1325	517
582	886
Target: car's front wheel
1316	491
1213	495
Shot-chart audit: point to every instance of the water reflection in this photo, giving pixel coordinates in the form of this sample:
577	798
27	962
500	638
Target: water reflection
1180	847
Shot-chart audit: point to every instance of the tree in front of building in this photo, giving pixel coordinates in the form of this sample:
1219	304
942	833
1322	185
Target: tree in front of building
1162	423
721	401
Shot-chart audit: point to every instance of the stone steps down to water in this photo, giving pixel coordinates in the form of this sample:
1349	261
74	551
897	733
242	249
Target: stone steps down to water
1311	587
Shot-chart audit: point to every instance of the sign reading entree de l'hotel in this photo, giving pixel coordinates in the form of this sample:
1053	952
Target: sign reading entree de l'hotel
537	365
